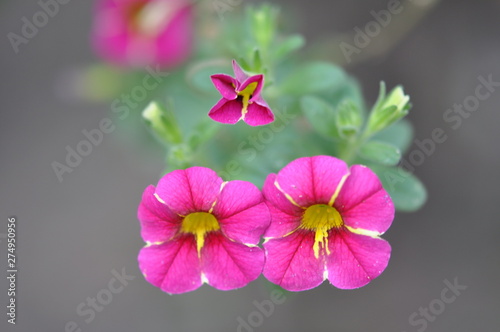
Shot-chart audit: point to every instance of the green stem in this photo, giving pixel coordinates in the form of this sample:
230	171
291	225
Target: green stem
349	151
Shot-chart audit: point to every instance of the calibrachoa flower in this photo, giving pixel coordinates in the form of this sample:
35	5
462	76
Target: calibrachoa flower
143	32
241	99
200	229
325	224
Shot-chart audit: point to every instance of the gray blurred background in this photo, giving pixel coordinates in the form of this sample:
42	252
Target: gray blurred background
72	235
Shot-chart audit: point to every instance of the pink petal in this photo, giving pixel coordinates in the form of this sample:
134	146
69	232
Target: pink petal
229	265
173	266
257	99
312	180
355	259
290	262
175	43
115	40
226	85
285	217
242	212
226	111
259	79
281	223
258	115
110	35
241	76
141	51
192	190
158	222
364	203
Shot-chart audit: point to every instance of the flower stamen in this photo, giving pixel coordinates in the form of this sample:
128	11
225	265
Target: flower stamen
246	94
321	218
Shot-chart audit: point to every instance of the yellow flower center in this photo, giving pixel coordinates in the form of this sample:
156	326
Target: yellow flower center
199	224
246	94
321	218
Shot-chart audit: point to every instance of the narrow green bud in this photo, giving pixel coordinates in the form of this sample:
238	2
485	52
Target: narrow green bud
388	109
348	119
162	123
263	24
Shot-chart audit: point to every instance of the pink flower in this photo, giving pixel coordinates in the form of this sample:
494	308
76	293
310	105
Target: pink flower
241	99
325	224
143	32
200	229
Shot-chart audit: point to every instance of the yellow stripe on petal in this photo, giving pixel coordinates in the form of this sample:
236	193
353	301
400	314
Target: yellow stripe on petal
159	199
365	232
288	197
337	190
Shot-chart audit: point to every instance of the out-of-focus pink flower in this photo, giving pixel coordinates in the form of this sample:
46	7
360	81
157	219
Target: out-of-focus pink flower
200	229
325	224
143	32
241	99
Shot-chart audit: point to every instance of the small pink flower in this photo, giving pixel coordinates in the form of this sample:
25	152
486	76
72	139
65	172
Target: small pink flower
241	99
200	229
325	224
143	32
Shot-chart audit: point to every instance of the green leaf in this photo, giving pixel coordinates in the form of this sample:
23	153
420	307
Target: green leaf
198	76
313	77
349	90
257	61
320	115
288	46
202	133
381	96
381	153
405	189
399	134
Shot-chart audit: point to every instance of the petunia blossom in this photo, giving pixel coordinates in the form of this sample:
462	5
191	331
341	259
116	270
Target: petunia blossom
241	99
326	220
200	229
139	33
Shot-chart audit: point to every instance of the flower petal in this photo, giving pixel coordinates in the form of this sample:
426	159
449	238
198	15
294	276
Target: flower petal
175	43
290	262
158	222
259	79
192	190
242	212
355	259
227	111
281	223
312	180
116	38
241	76
258	115
229	265
173	266
363	202
285	217
226	85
